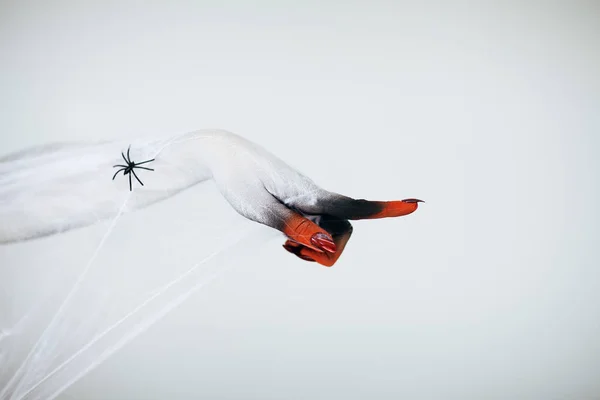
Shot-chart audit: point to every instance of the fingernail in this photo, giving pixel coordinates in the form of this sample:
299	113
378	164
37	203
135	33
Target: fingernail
323	242
412	201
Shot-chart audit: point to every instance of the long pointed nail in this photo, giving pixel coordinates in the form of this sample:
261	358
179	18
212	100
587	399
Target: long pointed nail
323	242
412	201
288	248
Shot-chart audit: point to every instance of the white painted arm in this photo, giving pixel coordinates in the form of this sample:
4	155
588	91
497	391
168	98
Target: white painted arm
52	189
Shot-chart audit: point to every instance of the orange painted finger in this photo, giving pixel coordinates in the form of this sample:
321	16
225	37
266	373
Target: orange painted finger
272	212
395	208
348	208
303	231
341	231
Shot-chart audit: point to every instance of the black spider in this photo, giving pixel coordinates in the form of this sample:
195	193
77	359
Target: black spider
129	168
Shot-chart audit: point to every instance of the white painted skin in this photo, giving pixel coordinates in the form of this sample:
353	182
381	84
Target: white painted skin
59	187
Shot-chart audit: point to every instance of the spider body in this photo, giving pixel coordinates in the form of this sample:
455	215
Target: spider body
129	168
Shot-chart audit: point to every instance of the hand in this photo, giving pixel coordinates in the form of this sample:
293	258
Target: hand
340	231
264	189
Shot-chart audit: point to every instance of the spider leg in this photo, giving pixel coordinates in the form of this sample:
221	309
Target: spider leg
149	169
115	175
130	189
136	177
144	162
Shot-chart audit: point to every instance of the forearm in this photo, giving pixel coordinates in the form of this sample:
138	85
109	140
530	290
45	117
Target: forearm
60	187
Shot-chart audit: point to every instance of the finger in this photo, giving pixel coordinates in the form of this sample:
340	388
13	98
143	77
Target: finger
305	232
256	204
340	230
348	208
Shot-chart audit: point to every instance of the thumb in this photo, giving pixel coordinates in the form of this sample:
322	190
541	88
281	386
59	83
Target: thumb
306	232
254	202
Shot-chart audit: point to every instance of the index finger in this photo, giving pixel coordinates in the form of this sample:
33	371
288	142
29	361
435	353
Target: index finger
348	208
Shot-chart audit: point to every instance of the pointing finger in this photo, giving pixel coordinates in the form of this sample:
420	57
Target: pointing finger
348	208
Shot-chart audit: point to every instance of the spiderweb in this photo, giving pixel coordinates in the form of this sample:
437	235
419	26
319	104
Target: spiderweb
80	296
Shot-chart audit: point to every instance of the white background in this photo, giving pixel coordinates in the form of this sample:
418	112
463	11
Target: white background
489	113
